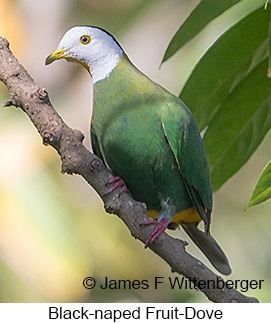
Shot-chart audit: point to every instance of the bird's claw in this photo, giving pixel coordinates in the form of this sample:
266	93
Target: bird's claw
116	182
159	227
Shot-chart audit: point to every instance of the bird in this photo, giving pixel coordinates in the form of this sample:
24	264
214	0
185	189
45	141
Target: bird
147	137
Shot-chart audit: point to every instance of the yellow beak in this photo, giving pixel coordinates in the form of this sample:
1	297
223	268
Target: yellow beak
57	54
60	53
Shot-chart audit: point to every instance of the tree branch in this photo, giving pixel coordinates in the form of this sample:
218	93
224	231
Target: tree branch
76	159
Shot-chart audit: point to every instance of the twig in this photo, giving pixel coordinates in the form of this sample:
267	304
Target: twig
76	159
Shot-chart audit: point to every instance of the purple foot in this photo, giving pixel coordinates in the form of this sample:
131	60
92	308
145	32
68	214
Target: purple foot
117	183
159	228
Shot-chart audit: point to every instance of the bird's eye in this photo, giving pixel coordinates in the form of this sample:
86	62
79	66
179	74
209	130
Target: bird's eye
85	39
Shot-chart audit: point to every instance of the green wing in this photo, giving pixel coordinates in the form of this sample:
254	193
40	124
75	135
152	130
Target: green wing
96	148
184	139
95	144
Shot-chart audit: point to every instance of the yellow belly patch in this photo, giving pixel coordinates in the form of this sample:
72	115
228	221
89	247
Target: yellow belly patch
188	215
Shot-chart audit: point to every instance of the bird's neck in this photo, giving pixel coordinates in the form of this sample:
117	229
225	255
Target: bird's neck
124	82
101	68
122	90
123	77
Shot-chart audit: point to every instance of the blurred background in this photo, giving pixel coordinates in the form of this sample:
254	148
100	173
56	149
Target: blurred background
53	229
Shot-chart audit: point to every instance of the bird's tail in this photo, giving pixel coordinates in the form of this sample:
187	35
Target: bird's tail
209	247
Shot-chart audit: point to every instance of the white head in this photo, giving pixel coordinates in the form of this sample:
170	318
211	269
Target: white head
92	47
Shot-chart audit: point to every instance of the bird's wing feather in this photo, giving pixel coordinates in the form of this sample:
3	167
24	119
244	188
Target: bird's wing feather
95	144
96	147
183	137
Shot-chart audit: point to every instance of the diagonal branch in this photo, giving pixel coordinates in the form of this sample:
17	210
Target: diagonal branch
76	159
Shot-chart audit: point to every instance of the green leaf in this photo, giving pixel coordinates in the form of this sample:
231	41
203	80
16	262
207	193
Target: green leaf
269	51
206	11
262	190
232	56
239	126
229	93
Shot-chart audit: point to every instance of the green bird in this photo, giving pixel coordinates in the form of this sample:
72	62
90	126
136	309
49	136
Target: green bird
147	137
